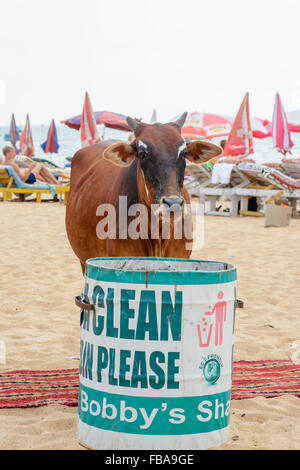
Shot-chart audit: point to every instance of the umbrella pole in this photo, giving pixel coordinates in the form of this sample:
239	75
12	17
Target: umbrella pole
104	127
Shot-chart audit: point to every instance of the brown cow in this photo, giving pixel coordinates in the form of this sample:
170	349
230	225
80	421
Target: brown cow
149	171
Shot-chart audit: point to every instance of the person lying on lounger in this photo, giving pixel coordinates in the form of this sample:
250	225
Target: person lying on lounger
36	171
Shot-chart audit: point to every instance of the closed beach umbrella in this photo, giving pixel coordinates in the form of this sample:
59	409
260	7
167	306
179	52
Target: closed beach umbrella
205	125
51	144
26	140
14	135
88	127
153	117
240	142
281	134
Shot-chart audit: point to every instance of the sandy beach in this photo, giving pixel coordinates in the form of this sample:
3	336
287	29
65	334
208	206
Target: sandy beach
39	322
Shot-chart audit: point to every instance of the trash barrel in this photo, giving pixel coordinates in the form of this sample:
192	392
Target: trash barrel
156	353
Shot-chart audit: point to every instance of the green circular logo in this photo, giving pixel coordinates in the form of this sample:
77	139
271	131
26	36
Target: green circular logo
211	370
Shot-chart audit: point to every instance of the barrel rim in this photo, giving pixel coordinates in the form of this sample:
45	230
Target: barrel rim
181	277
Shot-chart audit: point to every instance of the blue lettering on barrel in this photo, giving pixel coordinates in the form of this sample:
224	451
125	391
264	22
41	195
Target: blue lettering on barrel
98	320
102	362
126	313
171	316
147	304
139	370
111	330
157	381
86	359
124	368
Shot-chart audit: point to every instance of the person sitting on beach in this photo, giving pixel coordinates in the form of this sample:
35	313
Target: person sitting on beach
36	171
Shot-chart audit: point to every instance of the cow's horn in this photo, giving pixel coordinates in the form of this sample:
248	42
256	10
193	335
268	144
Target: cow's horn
132	123
181	120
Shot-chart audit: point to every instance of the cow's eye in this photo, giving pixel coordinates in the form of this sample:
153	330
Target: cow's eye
183	154
143	154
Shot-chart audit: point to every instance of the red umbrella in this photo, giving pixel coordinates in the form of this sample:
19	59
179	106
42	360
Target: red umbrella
280	130
108	118
88	128
205	125
26	140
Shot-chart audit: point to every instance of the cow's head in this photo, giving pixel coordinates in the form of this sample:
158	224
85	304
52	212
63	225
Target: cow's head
161	152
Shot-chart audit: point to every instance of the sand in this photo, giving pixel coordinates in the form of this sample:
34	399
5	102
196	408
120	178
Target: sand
39	322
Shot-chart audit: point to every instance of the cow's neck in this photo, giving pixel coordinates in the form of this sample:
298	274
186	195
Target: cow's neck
144	195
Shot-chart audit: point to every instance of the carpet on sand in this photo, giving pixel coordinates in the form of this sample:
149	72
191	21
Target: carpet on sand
250	379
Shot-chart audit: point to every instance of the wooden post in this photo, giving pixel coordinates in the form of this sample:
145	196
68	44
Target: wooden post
234	205
212	203
244	203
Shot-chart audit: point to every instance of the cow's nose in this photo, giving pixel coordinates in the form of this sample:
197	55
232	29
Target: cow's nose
174	201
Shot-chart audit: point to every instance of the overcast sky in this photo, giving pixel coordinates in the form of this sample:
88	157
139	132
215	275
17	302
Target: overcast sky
136	55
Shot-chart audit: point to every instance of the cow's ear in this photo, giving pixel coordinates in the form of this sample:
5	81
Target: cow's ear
120	153
200	151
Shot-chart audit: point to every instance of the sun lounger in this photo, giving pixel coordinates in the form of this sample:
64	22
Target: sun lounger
276	165
291	166
197	176
267	183
24	162
11	183
216	188
48	163
234	160
280	166
268	176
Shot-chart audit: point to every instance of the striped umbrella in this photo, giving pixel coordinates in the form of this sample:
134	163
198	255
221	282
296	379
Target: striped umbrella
51	144
240	142
26	140
14	135
281	134
88	127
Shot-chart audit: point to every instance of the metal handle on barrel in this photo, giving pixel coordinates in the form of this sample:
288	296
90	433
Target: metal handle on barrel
83	304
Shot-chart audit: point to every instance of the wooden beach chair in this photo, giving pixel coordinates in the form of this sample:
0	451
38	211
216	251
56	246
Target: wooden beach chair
216	192
198	176
267	184
11	183
291	166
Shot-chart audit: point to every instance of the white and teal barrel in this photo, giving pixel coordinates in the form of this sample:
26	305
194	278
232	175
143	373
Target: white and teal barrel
156	353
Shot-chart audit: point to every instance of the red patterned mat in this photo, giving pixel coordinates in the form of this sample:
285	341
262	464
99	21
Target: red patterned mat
267	379
250	379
